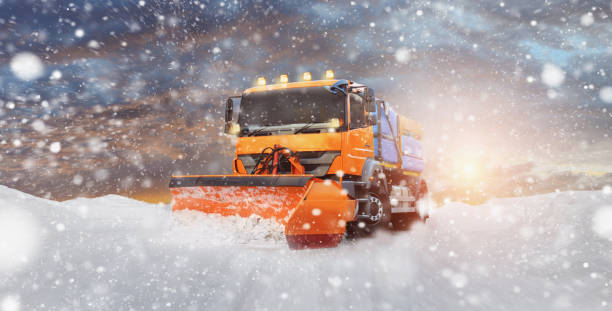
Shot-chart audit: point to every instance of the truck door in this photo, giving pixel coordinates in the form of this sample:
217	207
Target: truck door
360	140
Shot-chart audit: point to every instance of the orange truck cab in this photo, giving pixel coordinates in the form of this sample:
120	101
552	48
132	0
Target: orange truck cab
326	158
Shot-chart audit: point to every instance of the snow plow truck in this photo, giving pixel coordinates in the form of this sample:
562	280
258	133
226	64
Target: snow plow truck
326	158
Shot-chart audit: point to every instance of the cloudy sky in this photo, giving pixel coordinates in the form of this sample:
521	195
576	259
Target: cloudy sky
114	96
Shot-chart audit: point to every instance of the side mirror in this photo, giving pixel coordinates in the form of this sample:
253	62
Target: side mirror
370	100
372	118
232	110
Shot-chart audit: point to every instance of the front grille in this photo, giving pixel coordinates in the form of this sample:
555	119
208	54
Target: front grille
315	163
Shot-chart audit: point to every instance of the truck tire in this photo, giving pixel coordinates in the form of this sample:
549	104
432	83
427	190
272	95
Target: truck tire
381	218
382	206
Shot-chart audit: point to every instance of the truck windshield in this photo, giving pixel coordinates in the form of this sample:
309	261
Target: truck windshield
290	106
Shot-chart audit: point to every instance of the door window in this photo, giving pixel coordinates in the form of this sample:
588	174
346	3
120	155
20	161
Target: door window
357	112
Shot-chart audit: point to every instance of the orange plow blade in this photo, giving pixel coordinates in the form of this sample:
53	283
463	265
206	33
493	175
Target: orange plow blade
314	211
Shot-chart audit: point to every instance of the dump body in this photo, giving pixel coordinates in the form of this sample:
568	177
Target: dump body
311	155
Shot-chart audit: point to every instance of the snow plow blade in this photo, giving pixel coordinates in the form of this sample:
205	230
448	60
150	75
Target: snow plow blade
314	211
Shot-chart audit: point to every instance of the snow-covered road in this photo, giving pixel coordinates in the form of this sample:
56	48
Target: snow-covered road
545	252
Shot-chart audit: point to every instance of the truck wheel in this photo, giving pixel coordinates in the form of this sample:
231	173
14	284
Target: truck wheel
376	208
380	209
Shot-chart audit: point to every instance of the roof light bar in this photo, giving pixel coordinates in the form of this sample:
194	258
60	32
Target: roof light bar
329	74
261	81
307	76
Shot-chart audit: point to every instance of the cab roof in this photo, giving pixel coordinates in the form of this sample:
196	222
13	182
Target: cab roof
290	85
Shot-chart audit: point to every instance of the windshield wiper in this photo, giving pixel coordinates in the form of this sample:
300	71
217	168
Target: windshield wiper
305	127
257	131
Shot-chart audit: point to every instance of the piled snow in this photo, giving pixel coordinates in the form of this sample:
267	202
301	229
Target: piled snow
10	303
19	238
27	66
188	229
532	253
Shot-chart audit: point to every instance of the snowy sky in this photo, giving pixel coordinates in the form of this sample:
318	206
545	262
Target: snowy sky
131	91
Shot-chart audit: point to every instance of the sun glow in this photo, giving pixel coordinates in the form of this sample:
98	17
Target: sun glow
469	171
468	168
465	172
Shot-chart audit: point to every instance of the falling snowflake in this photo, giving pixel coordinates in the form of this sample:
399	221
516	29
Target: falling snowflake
552	75
27	66
605	94
602	222
55	147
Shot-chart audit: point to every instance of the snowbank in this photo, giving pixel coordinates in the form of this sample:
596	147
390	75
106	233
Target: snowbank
113	253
